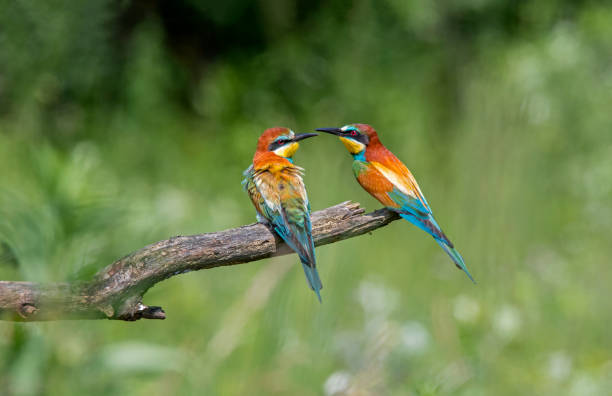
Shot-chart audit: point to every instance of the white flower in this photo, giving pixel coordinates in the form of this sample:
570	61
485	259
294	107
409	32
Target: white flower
414	337
466	309
507	322
559	365
584	385
377	299
337	383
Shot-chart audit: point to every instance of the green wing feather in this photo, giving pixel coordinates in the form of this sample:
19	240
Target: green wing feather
281	200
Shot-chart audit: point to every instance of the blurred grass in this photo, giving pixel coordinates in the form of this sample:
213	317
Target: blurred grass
112	136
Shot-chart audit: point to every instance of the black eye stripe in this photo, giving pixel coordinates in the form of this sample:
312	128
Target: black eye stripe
273	146
361	138
277	143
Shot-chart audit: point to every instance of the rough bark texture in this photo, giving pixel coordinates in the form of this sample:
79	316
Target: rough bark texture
116	291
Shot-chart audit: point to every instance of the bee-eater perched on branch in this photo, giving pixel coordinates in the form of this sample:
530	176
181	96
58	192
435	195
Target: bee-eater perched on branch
275	186
388	180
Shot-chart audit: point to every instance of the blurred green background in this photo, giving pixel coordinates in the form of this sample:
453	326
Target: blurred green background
126	122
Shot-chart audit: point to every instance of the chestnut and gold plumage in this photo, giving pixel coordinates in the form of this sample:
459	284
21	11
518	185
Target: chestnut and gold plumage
388	180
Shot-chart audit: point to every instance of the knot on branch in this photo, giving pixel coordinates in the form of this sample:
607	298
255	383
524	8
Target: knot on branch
142	311
27	310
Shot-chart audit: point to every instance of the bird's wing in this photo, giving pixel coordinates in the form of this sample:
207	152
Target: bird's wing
396	184
248	183
405	191
409	200
296	208
280	197
374	182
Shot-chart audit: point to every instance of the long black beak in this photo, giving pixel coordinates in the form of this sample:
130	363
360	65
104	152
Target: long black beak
304	136
333	131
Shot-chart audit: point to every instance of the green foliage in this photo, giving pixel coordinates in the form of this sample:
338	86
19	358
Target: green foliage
120	127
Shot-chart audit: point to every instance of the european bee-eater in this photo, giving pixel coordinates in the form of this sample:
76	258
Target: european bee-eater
388	180
275	186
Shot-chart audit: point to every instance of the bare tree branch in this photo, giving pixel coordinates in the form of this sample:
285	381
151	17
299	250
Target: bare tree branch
116	291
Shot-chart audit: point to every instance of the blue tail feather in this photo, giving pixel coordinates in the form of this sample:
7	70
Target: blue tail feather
312	275
296	241
416	221
456	257
430	226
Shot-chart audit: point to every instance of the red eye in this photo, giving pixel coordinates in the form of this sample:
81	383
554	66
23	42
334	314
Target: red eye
353	133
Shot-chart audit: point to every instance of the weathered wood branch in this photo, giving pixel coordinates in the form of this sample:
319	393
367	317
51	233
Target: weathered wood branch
116	291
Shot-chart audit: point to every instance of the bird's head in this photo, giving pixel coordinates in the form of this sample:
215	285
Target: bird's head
356	137
281	141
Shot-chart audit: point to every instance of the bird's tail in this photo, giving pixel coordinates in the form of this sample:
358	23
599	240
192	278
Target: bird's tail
456	257
430	226
312	276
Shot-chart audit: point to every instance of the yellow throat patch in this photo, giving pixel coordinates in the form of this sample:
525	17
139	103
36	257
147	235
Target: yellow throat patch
352	146
287	150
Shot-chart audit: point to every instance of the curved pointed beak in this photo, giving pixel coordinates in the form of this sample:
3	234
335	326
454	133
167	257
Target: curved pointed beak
304	136
333	131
